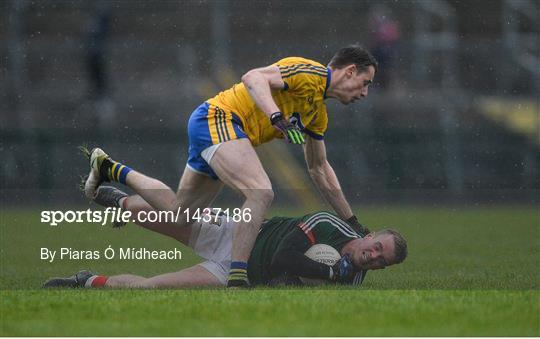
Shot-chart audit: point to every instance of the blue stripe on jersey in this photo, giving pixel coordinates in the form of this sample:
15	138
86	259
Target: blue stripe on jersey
305	69
223	125
300	65
217	120
300	71
288	69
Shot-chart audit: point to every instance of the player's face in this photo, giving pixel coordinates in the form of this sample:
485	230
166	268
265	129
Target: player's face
355	84
374	252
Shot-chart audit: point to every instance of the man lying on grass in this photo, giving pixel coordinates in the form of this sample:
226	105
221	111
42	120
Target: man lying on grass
277	257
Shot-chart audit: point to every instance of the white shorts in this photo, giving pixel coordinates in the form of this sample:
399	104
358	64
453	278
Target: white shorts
213	242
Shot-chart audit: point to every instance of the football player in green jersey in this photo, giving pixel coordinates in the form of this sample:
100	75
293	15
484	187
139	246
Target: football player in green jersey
277	257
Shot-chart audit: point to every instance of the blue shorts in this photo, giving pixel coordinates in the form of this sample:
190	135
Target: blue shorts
210	125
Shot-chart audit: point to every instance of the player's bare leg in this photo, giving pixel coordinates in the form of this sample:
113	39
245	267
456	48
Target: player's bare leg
122	280
108	196
196	191
235	162
238	166
136	204
189	277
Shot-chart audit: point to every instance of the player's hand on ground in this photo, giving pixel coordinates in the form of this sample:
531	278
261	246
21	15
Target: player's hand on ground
343	270
291	132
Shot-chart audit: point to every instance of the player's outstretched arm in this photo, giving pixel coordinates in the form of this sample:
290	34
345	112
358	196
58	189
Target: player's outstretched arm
325	178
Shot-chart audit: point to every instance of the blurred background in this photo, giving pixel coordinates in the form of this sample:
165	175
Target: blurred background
453	116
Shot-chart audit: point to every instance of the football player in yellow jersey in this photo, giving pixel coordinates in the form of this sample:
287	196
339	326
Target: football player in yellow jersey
285	99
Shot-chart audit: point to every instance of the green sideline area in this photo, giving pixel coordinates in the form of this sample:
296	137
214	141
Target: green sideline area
470	272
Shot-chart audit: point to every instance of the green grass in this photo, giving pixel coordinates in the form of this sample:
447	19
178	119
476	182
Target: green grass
470	272
270	312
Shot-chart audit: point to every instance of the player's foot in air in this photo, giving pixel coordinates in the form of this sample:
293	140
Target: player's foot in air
109	196
75	281
102	169
100	164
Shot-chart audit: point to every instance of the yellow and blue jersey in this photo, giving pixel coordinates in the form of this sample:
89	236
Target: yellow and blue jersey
301	100
232	114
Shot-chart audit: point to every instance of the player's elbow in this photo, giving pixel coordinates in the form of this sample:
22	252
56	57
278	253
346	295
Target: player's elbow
314	172
250	77
318	177
262	196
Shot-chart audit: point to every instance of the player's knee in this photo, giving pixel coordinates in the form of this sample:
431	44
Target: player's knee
268	196
263	197
174	204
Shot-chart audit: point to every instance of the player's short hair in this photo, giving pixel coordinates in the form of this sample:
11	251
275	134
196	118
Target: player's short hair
354	54
400	244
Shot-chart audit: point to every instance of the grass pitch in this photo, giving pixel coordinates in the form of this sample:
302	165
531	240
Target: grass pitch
470	272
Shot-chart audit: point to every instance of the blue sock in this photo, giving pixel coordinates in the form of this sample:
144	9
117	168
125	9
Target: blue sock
118	172
238	272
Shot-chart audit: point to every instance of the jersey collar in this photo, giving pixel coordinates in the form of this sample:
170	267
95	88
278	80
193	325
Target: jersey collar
328	78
